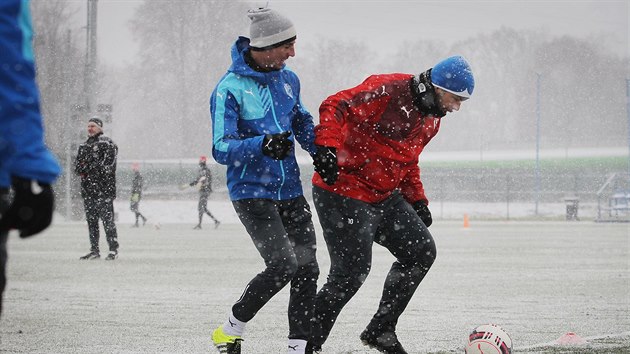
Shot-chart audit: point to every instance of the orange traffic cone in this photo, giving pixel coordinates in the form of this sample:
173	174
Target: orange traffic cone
466	221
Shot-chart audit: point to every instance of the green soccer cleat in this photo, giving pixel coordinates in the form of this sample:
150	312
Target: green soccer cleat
226	344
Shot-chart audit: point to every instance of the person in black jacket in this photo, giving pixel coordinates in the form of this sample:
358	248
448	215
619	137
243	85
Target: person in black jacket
204	183
96	165
136	194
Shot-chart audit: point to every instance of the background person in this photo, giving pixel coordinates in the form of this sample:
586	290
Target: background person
204	183
136	194
96	166
367	189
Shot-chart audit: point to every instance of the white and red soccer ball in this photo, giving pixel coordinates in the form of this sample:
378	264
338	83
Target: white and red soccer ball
489	339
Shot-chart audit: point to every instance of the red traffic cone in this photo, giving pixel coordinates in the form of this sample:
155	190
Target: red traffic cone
570	338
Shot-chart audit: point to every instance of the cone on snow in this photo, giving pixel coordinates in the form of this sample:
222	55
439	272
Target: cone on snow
570	338
466	221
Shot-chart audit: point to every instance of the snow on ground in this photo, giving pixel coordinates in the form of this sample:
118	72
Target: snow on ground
171	286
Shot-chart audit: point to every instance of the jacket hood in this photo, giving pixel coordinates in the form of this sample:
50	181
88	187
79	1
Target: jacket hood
239	65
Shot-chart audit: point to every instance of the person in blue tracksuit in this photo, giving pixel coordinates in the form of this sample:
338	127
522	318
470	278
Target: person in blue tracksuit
26	164
257	115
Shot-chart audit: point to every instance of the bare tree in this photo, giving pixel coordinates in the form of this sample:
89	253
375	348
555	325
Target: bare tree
59	68
327	66
184	49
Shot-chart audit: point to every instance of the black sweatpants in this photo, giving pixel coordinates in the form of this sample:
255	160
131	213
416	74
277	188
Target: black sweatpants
103	209
350	227
4	237
202	206
283	233
3	265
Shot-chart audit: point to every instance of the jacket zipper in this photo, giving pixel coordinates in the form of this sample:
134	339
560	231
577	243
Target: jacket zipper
275	119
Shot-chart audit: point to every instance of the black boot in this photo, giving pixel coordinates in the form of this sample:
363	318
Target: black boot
383	341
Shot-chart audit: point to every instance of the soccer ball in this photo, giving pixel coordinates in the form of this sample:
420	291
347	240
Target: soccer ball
489	339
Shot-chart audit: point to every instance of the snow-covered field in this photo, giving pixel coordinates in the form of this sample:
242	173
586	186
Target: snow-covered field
172	285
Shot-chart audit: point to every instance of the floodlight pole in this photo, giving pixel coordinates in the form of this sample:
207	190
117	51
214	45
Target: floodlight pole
90	56
628	114
537	171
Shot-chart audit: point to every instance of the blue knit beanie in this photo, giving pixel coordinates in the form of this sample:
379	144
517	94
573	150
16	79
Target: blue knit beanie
454	75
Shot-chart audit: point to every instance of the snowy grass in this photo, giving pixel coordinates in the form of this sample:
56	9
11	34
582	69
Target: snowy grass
172	285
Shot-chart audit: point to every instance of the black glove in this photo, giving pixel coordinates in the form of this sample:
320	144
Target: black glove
325	162
5	200
423	212
277	146
32	207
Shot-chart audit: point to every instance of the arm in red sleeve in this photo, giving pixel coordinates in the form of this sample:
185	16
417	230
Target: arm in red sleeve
411	186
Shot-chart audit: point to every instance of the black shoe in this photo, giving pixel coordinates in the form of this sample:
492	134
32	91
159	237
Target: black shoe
216	224
384	342
111	256
312	349
91	255
198	227
144	221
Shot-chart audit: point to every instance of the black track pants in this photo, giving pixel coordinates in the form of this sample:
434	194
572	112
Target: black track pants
350	227
103	209
283	233
202	207
3	265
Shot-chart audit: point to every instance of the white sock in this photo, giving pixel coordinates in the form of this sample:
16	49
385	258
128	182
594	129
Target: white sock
234	327
297	346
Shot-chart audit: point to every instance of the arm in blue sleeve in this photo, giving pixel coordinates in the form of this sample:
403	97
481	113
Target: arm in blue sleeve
23	152
228	146
303	128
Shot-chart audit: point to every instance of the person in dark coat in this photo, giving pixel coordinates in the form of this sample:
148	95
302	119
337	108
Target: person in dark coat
96	165
204	183
136	194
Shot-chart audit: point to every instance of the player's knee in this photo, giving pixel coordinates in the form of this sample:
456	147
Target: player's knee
284	270
350	281
427	254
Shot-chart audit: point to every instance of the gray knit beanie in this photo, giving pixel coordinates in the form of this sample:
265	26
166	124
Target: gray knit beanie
269	29
96	120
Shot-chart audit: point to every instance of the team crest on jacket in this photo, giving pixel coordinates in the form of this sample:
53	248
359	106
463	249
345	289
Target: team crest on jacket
288	89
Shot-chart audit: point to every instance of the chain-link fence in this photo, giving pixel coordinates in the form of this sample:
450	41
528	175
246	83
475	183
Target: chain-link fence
481	192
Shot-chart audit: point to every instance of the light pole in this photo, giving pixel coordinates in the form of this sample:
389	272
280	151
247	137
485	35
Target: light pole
628	114
90	55
85	105
537	170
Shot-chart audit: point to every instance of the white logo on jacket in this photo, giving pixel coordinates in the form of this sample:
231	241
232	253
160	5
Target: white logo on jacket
288	90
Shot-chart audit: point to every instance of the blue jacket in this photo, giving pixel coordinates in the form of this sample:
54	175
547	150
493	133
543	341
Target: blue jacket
246	105
22	149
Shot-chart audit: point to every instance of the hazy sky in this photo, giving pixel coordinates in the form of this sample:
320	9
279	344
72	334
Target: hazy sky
387	24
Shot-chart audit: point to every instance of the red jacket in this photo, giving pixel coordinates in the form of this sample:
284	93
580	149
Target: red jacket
379	134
